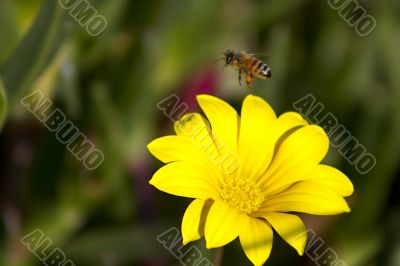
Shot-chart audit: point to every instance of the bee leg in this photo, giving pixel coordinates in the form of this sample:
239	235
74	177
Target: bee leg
240	77
249	79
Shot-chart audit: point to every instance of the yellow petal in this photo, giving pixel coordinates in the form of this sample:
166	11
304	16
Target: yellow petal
290	228
256	239
175	148
194	220
223	118
288	121
185	179
222	224
298	153
191	124
256	143
331	178
307	197
183	148
196	127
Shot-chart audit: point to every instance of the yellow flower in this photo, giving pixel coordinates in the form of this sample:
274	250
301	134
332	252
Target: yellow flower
247	174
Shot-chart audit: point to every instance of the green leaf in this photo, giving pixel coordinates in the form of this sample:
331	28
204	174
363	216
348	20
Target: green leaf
34	52
8	29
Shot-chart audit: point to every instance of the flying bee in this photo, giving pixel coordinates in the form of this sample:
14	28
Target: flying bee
244	62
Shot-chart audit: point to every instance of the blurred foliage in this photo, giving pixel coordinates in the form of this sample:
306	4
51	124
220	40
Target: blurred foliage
109	85
3	103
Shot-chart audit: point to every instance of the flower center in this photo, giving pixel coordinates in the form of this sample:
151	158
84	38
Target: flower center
242	195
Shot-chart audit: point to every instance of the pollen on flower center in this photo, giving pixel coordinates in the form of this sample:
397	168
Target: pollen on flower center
242	195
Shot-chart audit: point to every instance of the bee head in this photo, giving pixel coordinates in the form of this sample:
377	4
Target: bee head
229	54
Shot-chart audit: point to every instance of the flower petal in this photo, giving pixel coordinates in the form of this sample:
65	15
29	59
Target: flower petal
307	197
256	239
331	178
256	143
223	118
185	179
290	228
182	148
288	121
196	127
222	224
191	124
295	157
194	220
175	148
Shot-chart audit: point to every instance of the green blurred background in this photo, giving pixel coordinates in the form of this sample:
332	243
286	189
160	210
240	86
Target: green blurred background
109	86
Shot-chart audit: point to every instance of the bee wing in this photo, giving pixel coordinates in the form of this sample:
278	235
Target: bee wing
219	59
259	54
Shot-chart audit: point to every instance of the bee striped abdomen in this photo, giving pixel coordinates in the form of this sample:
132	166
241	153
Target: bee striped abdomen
260	69
266	72
256	65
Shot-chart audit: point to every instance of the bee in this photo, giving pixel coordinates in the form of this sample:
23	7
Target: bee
244	62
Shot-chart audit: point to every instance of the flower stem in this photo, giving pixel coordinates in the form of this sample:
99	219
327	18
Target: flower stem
218	256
